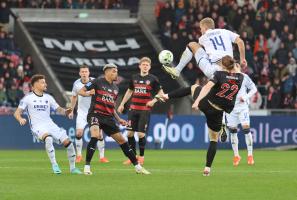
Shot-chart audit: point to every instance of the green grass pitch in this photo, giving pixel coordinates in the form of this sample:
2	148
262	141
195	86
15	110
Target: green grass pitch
176	175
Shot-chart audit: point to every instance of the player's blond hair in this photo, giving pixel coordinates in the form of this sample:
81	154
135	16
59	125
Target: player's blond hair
208	22
145	59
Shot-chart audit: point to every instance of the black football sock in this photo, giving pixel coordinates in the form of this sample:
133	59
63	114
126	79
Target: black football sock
181	92
132	144
142	142
211	152
91	148
129	153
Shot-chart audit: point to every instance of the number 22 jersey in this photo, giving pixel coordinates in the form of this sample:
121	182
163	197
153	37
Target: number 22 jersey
225	90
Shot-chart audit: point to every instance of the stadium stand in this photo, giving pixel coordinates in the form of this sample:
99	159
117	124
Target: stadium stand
267	27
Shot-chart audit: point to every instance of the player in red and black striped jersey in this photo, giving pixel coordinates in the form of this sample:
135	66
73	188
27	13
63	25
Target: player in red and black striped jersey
216	97
142	88
102	113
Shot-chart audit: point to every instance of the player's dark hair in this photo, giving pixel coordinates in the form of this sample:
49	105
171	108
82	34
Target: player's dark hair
83	66
36	78
228	62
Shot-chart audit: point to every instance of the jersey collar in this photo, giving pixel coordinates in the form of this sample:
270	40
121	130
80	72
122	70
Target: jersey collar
37	94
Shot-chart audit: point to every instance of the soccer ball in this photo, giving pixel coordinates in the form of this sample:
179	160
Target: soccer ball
165	57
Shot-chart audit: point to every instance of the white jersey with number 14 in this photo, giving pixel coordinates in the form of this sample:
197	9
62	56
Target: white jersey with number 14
218	43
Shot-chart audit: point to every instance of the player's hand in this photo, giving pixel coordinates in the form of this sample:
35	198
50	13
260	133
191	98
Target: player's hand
121	109
195	105
68	111
70	116
243	63
123	122
22	121
162	97
150	103
91	92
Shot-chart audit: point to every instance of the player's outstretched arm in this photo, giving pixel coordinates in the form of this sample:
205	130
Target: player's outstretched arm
84	92
64	111
18	116
126	97
241	48
204	91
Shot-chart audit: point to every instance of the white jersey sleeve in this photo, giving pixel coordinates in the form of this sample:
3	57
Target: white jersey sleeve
250	85
53	104
23	103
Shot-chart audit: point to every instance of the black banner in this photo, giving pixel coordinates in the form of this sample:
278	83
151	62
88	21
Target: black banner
66	46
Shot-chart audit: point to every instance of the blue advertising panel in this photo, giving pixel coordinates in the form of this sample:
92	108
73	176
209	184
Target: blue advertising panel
182	132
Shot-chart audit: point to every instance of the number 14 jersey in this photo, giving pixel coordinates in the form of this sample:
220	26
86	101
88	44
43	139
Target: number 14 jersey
218	43
225	90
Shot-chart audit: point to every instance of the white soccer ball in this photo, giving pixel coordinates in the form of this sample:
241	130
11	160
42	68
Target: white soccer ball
165	57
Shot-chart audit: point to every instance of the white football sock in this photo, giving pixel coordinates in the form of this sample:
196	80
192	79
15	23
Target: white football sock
249	143
71	156
184	59
101	148
79	145
50	150
234	143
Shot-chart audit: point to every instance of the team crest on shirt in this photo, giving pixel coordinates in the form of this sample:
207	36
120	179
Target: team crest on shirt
115	92
88	84
147	82
109	90
46	101
140	81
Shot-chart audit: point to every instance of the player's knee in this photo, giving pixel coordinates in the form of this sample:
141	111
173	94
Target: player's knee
78	137
48	139
79	134
193	46
246	130
130	133
66	143
214	137
141	135
232	130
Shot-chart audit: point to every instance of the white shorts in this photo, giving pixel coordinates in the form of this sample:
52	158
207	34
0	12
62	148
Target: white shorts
59	134
81	121
238	116
204	63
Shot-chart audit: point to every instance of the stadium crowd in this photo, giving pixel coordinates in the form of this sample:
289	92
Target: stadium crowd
15	72
268	28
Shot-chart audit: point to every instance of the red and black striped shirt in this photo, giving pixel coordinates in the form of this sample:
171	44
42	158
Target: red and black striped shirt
103	101
144	88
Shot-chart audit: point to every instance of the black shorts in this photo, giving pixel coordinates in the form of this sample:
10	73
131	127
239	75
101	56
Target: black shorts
213	116
196	92
139	120
106	123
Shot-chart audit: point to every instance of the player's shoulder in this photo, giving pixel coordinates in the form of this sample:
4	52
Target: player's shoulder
28	96
77	81
47	95
152	76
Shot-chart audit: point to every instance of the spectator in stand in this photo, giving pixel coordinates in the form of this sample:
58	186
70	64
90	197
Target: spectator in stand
3	97
4	16
273	98
288	101
282	54
292	67
273	43
260	48
191	73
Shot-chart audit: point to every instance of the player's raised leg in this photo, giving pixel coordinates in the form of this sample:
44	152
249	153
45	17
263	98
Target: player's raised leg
101	148
184	60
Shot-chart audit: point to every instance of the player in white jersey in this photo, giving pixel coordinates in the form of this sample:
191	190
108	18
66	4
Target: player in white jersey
217	43
38	106
83	106
240	115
